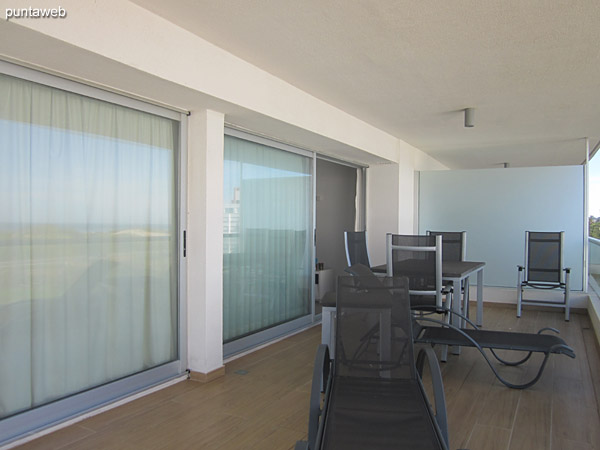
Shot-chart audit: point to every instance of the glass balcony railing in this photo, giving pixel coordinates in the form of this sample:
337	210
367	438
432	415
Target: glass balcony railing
594	264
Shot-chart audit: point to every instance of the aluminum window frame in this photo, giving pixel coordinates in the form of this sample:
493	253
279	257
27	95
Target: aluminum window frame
51	414
254	340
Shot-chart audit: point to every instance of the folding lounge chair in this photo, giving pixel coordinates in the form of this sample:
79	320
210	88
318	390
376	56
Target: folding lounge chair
444	333
447	334
544	269
374	398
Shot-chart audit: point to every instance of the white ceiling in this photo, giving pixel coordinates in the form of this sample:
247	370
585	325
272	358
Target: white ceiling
529	68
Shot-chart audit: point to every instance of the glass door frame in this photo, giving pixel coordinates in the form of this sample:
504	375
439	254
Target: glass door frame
38	418
252	341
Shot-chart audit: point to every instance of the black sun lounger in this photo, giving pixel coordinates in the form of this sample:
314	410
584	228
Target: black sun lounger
374	398
445	334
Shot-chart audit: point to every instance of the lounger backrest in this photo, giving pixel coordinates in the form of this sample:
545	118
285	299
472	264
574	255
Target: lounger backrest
543	256
356	248
374	329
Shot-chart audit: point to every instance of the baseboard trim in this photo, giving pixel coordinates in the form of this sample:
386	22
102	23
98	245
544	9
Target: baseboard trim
209	376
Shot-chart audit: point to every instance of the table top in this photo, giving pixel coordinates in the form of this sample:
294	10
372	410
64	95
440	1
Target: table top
450	269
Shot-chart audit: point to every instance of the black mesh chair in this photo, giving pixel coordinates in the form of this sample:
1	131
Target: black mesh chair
454	248
420	259
544	269
374	397
356	248
454	244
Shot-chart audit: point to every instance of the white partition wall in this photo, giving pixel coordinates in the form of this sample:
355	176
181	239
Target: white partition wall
496	206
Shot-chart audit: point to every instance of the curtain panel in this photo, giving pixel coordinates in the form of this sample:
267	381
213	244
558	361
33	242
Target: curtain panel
267	237
88	243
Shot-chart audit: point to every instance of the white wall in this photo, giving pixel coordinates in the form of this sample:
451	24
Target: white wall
496	206
392	197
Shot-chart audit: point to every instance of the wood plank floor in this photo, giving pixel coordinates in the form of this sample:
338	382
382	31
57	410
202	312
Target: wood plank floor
262	402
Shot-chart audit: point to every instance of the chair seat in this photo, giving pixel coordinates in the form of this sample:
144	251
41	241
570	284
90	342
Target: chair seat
427	301
367	413
534	285
422	301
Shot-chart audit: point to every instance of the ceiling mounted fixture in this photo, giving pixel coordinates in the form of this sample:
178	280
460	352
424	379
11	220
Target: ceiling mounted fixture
469	115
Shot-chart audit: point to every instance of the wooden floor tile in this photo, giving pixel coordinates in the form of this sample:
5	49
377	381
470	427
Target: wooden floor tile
486	437
262	401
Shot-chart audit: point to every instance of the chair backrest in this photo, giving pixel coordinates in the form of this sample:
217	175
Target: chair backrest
374	328
544	257
454	244
420	259
356	248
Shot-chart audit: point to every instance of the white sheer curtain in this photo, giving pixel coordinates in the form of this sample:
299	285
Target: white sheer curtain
267	237
88	263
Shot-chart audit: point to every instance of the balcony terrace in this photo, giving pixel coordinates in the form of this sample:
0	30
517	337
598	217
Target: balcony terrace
262	401
381	85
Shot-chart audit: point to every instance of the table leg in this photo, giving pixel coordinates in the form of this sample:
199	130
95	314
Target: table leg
457	308
479	320
328	329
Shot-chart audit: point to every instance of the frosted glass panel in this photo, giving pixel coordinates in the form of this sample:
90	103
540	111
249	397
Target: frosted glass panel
496	206
267	234
88	248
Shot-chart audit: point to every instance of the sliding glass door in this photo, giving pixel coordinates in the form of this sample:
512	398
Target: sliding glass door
268	240
88	247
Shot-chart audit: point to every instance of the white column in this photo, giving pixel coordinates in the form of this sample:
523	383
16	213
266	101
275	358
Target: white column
205	241
406	193
382	208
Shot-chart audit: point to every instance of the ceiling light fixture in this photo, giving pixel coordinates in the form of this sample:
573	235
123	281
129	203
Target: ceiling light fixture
469	115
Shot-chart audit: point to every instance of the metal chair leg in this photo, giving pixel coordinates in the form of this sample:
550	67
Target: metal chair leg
519	290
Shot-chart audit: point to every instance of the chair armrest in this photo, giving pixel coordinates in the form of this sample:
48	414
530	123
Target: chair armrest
519	287
567	269
438	388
